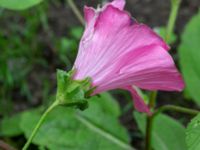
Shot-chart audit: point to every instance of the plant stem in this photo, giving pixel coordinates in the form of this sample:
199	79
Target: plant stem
170	27
152	101
149	121
5	146
39	124
176	108
172	18
76	11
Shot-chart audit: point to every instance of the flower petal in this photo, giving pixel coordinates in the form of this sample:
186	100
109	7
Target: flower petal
118	4
89	14
154	69
138	101
112	35
149	67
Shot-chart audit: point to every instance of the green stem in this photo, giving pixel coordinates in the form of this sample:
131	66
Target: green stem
172	18
152	101
76	11
149	121
39	124
176	108
5	146
170	27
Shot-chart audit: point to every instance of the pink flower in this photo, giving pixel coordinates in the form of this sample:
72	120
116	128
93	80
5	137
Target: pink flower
118	52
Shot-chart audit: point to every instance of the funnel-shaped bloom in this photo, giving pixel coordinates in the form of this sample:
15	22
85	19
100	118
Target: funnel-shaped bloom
118	52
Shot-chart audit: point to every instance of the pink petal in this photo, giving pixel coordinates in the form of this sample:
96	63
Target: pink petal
89	14
118	4
154	69
111	20
138	101
112	35
117	52
149	67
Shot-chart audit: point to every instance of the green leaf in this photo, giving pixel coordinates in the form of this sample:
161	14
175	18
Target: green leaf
76	32
193	134
189	53
95	128
18	4
162	32
168	134
9	127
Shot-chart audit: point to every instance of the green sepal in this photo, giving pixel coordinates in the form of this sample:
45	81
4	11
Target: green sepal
89	92
82	105
72	92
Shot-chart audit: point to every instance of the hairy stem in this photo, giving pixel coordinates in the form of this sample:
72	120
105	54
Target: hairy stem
38	125
170	27
172	19
76	11
5	146
176	108
149	121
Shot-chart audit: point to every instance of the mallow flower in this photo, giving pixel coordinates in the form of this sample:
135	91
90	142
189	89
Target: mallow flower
117	52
